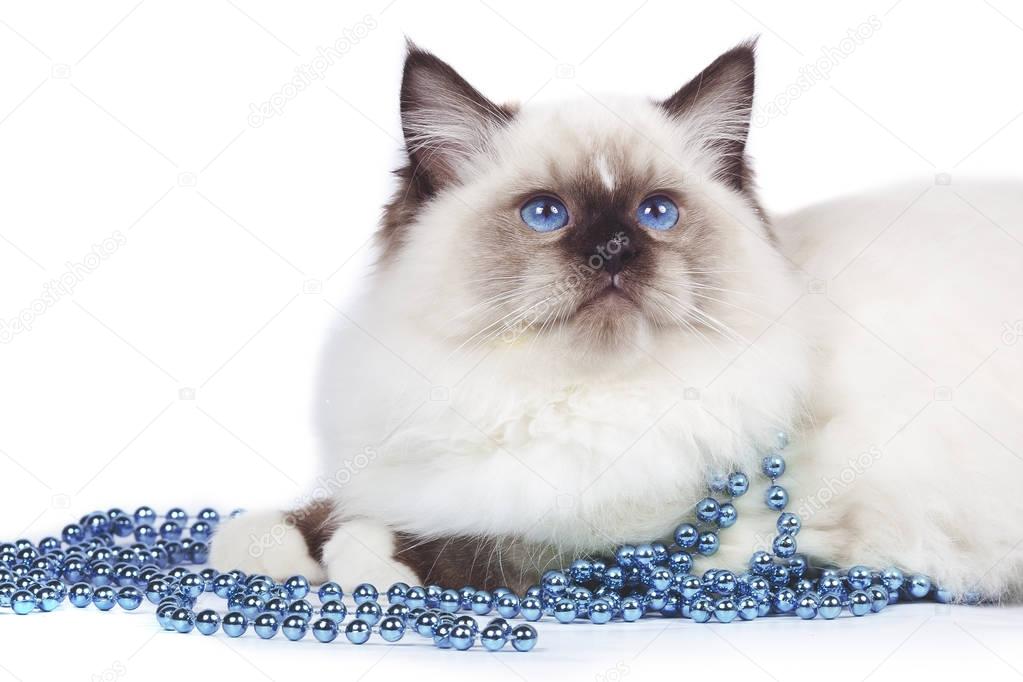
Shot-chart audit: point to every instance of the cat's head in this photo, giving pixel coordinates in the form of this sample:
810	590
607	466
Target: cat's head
595	222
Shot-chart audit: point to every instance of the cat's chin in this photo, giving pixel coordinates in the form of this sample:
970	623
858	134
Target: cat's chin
608	321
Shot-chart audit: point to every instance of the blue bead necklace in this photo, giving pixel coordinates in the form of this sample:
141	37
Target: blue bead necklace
95	562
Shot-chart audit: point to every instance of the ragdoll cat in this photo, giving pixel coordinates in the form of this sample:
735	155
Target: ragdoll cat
580	313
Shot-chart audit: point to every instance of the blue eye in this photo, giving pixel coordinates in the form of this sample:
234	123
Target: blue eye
657	212
544	214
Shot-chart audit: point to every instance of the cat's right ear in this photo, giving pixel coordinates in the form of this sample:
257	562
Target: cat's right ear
444	119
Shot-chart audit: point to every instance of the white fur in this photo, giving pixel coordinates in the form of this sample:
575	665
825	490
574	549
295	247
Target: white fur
264	543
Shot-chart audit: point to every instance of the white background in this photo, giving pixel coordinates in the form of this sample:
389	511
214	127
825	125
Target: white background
179	370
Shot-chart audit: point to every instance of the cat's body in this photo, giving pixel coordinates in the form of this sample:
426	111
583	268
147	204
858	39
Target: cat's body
487	414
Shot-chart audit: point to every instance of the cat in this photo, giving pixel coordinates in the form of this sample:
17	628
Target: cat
580	313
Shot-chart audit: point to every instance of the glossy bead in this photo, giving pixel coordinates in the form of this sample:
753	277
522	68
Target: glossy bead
859	603
773	466
330	590
701	610
707	509
632	609
183	620
358	632
129	598
686	536
738	484
23	602
425	623
104	598
493	638
531	609
207	622
776	497
324	630
918	586
708	543
415	597
334	609
554	583
892	579
830	607
806	607
364	592
508	605
234	624
396	593
369	612
461	637
727	515
482	603
523	638
565	610
749	608
449	601
725	610
784	545
297	586
600	612
266	624
391	628
784	601
442	634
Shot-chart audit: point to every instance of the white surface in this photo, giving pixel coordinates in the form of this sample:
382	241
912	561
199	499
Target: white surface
903	643
180	370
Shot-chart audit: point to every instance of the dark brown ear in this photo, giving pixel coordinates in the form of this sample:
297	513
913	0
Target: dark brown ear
445	120
718	105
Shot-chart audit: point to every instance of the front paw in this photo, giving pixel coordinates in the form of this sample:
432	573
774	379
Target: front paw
362	551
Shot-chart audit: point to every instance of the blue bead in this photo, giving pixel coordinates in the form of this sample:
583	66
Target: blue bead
129	598
234	624
266	624
565	610
208	515
690	586
773	466
426	622
632	609
369	612
207	622
449	601
859	603
357	632
523	638
727	515
613	578
686	536
334	609
581	571
554	583
23	602
330	590
749	608
415	597
708	543
738	484
784	545
859	577
508	605
177	515
830	607
183	620
600	612
324	630
892	579
707	509
364	592
680	562
531	609
701	610
919	586
806	607
442	634
493	638
392	628
776	497
725	610
104	598
396	593
482	603
462	637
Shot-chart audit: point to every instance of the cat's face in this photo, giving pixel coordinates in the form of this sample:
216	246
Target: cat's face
595	223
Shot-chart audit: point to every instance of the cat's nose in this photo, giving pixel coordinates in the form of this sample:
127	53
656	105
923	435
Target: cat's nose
617	254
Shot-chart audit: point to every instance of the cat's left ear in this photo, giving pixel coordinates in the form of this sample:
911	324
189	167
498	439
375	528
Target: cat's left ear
445	120
717	105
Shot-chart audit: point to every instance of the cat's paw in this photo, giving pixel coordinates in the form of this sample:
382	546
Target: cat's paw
362	551
263	542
